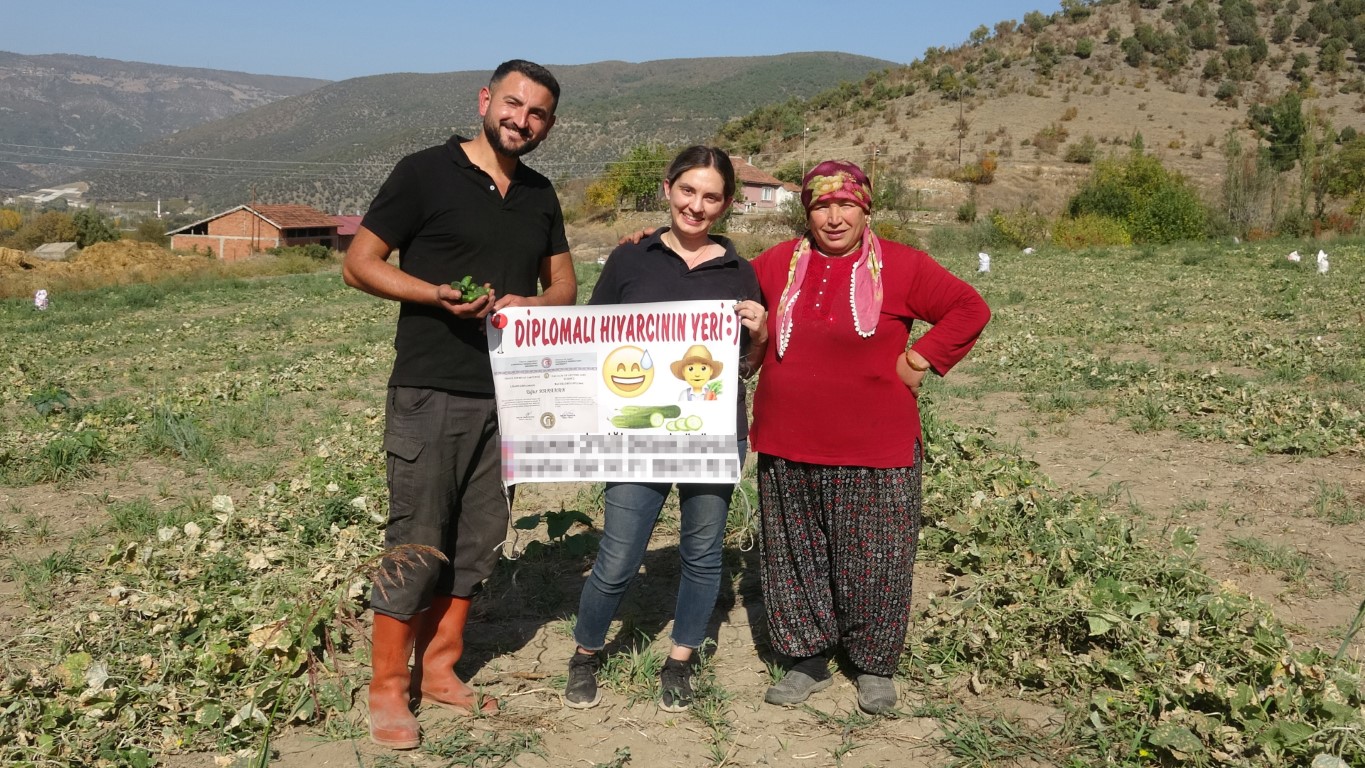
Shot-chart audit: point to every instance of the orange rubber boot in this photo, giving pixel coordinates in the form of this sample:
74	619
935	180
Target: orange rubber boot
440	644
392	723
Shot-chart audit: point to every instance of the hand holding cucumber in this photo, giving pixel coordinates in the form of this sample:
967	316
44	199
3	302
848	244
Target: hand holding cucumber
465	298
470	291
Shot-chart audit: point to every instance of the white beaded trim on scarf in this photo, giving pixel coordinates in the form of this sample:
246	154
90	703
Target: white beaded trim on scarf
853	306
784	334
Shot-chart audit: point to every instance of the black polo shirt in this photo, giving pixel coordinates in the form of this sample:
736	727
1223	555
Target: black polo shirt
649	271
447	220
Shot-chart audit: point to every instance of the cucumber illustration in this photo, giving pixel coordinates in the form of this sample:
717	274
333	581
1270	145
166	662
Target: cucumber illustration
644	416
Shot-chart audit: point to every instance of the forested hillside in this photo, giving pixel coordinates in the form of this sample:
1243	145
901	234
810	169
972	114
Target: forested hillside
332	146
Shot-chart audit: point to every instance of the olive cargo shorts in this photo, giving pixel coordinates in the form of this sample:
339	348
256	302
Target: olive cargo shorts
446	492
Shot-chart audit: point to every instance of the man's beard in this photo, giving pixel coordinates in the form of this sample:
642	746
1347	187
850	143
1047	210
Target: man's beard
494	134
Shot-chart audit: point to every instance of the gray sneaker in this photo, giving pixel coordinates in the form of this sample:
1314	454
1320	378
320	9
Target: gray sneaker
795	687
876	694
581	690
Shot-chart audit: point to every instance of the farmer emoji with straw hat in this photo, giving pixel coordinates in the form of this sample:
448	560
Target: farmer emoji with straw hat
697	368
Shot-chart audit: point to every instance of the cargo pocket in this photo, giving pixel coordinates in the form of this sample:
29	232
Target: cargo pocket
404	448
401	473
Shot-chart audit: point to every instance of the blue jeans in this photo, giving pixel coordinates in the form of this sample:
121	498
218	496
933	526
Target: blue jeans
631	511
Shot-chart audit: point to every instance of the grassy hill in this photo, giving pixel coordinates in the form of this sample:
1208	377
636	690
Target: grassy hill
334	145
1045	96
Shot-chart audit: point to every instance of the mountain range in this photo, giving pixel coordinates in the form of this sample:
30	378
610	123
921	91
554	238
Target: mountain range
332	144
1037	100
51	102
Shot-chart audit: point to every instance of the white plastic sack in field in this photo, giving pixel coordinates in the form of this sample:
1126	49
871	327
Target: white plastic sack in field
40	299
983	262
1322	263
1028	249
1293	256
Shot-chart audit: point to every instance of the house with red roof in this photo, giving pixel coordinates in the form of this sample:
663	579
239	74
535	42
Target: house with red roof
250	229
758	190
346	229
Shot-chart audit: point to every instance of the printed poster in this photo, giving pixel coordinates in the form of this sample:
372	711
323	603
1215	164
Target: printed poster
625	392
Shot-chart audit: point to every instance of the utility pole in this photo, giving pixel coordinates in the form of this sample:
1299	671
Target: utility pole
960	129
805	146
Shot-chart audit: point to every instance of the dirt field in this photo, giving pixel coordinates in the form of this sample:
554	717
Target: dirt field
518	651
519	638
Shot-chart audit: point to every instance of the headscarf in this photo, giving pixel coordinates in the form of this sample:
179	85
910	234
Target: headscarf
836	180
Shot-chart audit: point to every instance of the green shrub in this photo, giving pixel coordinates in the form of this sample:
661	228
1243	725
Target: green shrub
894	230
966	213
792	214
1170	216
1050	138
982	171
151	231
1082	152
1294	223
93	228
1156	205
1090	230
1020	228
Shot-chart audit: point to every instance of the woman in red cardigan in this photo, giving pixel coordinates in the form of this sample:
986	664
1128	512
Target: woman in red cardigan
837	430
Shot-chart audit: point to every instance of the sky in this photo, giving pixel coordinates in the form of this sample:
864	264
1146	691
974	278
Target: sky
341	39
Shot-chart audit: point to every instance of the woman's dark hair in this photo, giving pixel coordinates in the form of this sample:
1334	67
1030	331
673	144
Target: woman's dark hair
703	157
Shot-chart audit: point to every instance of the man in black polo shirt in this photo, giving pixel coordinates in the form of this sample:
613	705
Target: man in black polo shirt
468	207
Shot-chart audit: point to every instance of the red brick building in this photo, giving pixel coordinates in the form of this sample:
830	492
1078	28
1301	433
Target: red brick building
250	229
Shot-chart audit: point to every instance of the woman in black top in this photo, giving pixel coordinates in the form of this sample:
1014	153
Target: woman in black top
681	262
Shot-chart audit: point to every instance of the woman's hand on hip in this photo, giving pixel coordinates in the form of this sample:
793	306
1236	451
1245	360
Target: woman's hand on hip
909	376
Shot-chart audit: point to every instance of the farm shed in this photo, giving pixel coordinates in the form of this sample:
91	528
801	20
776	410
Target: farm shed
238	233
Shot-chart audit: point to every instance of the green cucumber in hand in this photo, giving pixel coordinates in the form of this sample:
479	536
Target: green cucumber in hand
470	291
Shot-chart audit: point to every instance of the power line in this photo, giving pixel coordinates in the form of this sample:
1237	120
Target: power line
299	170
99	152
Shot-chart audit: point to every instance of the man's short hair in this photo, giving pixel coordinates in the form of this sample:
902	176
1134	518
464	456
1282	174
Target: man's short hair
532	71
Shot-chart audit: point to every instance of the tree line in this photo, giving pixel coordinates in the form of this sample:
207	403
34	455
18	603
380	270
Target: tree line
27	229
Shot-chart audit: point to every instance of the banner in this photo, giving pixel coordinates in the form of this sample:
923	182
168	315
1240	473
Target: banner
624	392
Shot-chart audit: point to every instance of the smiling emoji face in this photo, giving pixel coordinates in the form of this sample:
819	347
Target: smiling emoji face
628	371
